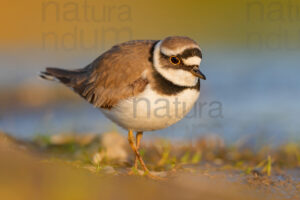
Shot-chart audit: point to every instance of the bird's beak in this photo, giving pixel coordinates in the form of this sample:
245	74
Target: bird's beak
196	72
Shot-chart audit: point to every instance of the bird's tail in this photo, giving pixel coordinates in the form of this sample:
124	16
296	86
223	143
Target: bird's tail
62	75
77	79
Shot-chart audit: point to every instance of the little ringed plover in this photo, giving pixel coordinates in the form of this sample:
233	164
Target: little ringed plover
136	84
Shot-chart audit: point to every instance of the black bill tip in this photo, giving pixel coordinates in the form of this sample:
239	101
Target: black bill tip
196	72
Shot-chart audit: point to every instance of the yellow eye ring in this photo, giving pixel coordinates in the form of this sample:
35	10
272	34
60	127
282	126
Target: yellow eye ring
174	60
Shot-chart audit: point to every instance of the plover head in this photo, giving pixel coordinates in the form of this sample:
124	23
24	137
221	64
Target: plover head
178	59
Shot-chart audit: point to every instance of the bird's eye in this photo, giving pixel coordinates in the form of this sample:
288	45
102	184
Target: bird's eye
174	60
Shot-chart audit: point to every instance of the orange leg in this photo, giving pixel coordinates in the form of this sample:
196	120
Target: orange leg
134	148
139	136
138	155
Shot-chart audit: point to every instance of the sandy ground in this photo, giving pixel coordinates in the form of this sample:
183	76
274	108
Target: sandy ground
53	169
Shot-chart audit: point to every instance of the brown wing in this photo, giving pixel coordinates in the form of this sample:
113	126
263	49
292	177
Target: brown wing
116	74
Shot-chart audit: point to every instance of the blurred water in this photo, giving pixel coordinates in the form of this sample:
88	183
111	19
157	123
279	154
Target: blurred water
259	94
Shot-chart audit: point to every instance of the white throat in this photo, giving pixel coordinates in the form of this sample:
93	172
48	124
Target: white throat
177	76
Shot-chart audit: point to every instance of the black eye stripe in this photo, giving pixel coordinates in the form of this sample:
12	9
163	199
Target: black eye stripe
186	54
191	52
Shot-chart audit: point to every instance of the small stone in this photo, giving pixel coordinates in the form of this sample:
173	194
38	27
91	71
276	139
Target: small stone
108	170
115	146
159	174
85	139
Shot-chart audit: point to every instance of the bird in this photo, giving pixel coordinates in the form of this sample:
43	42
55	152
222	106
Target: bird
141	85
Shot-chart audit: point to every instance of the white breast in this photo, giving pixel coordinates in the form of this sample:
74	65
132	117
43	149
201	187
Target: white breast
151	110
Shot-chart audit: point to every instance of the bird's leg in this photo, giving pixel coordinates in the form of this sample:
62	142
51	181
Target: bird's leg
138	137
137	154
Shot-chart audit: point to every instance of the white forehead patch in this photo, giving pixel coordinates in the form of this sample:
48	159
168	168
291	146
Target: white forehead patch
195	60
170	52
